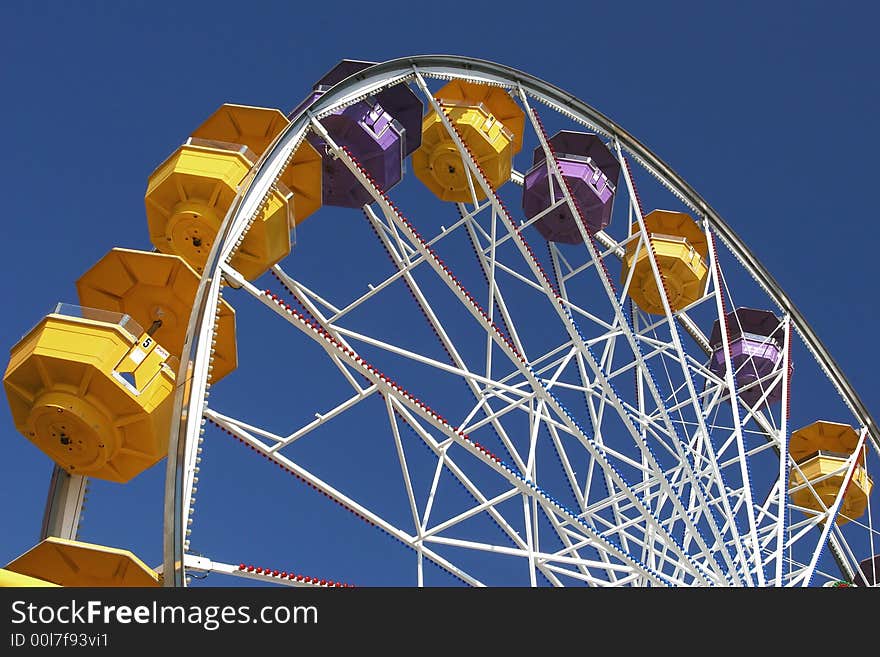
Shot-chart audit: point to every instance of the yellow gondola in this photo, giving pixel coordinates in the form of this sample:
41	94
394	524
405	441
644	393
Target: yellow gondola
491	125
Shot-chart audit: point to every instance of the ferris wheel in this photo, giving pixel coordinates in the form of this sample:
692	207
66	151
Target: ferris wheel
489	323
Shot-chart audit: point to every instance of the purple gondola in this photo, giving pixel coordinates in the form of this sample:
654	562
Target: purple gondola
379	131
755	352
590	171
869	572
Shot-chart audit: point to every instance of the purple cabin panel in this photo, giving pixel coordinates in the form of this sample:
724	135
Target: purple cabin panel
869	572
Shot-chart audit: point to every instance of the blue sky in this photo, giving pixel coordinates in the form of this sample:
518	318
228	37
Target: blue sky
767	109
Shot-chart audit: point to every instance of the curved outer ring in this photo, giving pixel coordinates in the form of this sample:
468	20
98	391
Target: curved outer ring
185	436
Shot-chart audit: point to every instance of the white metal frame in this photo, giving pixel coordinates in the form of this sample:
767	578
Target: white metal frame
692	517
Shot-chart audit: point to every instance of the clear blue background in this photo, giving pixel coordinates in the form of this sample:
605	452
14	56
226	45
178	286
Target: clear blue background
767	109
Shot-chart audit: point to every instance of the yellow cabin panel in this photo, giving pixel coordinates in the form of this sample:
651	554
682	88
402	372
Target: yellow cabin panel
303	176
679	224
65	562
268	239
9	578
152	286
822	435
255	127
